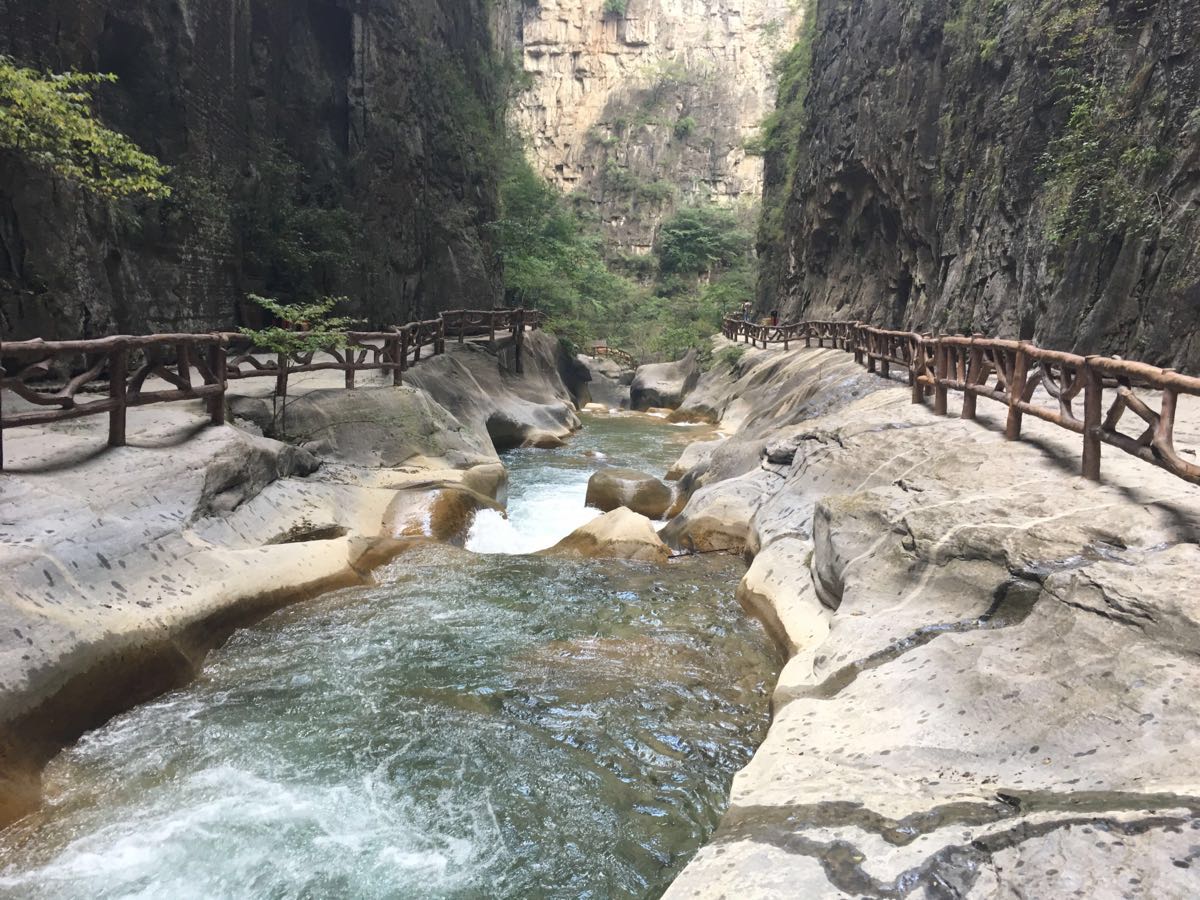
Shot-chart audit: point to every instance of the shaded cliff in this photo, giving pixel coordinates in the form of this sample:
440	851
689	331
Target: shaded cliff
1028	168
318	146
639	112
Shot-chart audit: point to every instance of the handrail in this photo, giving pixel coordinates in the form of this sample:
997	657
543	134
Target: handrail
621	356
1010	372
200	366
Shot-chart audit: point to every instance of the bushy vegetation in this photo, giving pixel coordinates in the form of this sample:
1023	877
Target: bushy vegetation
49	120
298	239
655	307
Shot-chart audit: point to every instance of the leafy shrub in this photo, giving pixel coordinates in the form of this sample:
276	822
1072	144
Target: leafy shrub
48	120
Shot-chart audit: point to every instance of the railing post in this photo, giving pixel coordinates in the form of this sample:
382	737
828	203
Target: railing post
885	351
1016	396
118	370
872	347
917	360
462	327
858	344
404	348
281	377
974	366
393	345
218	364
1093	402
941	370
492	328
439	341
786	333
350	362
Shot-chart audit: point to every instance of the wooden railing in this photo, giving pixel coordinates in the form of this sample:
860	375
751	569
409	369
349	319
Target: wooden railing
1010	372
621	356
200	366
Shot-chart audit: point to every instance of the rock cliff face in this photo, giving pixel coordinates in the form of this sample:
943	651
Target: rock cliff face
1028	169
639	112
357	133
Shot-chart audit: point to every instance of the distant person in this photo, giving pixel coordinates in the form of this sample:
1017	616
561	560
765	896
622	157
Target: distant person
774	317
747	312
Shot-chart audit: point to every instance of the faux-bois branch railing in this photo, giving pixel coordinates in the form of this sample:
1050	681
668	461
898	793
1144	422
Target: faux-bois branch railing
1010	373
200	366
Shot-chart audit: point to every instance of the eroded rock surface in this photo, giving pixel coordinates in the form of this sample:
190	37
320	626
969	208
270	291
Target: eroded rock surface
610	489
120	569
994	664
640	110
620	534
664	385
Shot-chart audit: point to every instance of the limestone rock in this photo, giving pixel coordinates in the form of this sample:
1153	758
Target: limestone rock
340	91
980	642
667	90
620	534
484	392
875	227
664	384
609	489
370	426
442	513
605	388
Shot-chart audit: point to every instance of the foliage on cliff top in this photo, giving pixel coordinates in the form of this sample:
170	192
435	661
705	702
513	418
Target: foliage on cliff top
49	120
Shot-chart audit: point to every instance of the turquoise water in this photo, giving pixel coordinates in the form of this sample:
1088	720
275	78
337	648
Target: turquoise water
474	725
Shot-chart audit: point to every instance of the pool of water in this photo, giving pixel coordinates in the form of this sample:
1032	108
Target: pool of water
473	725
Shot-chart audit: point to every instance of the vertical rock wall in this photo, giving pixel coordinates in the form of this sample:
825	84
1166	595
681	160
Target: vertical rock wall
1026	169
383	111
640	112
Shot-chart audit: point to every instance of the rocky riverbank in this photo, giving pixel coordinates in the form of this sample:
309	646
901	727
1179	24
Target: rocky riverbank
122	568
994	663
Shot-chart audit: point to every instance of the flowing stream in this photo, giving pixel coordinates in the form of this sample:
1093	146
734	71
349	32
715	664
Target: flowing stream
479	723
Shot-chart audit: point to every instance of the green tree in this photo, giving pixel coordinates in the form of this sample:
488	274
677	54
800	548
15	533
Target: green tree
301	328
48	120
701	239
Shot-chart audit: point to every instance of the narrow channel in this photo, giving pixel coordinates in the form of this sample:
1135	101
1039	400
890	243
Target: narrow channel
481	722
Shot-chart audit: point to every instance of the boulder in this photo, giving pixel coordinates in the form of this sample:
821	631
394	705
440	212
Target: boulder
664	384
610	489
608	384
483	390
620	534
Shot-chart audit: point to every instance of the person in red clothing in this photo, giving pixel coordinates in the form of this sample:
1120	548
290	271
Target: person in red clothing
774	317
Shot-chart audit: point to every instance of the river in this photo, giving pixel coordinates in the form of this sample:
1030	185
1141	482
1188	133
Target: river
481	722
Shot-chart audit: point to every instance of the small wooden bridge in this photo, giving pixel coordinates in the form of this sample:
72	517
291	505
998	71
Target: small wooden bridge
201	366
1010	372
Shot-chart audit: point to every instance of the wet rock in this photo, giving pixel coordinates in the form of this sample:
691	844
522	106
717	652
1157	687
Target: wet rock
440	514
664	385
609	489
620	534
